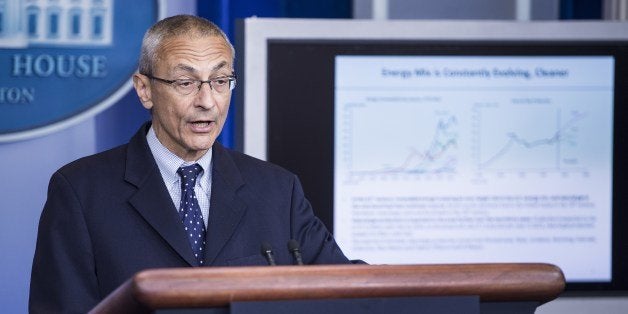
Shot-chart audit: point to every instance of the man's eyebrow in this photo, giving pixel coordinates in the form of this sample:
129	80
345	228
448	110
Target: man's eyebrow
185	68
219	66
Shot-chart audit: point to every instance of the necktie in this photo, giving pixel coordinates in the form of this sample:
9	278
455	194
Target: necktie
190	211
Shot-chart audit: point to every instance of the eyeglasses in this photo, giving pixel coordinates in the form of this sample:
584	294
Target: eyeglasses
221	84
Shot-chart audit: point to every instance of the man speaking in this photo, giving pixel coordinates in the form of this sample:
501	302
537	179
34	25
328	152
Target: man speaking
172	196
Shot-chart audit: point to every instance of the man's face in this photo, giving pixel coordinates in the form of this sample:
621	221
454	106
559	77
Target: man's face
187	125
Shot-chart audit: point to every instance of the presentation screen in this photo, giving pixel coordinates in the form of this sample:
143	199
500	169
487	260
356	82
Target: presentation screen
460	152
475	159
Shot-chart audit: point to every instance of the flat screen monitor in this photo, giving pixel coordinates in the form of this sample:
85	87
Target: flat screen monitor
419	151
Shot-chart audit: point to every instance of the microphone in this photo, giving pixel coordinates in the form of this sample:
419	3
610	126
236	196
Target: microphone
267	252
293	247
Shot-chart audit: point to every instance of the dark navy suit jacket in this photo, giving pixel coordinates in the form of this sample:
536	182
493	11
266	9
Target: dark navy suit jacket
109	216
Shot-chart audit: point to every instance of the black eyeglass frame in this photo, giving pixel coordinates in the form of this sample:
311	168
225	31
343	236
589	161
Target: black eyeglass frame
231	78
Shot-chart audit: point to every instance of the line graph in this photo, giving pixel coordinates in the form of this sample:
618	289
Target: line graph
509	143
416	143
435	157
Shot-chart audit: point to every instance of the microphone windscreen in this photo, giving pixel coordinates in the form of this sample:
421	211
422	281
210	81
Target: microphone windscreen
293	245
266	248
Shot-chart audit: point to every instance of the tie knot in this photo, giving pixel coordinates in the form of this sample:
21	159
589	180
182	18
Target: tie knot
189	173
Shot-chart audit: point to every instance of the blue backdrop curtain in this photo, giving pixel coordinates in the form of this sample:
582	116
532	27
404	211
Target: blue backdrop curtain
225	12
580	9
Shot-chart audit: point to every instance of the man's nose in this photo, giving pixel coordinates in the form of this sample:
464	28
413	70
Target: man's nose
206	97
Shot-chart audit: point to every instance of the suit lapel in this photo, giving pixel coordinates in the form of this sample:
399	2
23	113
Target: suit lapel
226	209
152	199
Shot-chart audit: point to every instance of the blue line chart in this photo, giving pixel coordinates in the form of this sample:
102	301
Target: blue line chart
531	153
437	157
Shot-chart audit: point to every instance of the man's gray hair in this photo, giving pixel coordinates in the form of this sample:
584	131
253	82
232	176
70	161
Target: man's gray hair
171	27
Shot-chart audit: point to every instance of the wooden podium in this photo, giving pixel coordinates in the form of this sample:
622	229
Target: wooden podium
511	288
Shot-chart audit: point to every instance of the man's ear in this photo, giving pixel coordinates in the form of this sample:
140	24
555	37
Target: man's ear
142	88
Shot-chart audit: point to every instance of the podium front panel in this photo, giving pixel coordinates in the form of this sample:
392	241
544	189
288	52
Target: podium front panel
397	305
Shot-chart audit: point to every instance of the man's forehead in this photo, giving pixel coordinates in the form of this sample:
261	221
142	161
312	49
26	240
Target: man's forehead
211	41
213	47
189	68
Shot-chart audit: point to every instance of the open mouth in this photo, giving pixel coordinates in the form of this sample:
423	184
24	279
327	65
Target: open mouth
201	126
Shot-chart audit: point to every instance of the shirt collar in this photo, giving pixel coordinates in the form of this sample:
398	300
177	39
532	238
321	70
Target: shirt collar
168	163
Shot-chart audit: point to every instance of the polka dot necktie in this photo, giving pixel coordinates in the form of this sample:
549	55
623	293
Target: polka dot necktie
190	211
